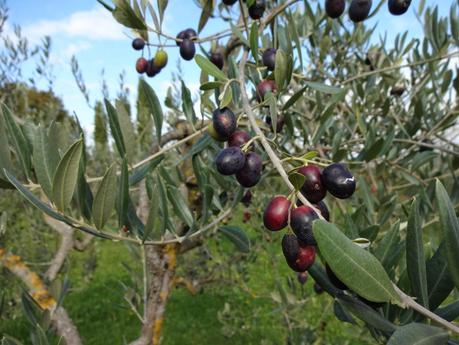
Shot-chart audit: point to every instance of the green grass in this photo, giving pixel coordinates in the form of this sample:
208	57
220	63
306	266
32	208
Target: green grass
96	305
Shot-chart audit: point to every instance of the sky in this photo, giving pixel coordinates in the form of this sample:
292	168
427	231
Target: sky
85	29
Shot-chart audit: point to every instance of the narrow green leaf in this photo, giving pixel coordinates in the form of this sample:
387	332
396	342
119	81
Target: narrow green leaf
66	175
323	87
450	227
115	128
123	195
450	312
139	173
187	104
354	266
125	15
415	259
280	70
208	67
163	204
30	197
237	236
210	85
295	97
296	179
439	282
154	106
388	247
45	160
19	141
162	5
254	41
226	97
105	198
366	313
180	206
205	14
153	225
419	334
5	156
127	128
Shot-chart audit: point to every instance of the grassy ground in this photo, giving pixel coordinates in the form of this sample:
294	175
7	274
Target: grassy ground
102	317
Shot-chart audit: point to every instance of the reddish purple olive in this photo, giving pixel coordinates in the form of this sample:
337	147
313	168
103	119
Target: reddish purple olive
224	122
187	49
269	58
229	2
334	279
138	43
301	219
250	173
257	10
239	138
141	65
312	189
264	87
338	180
398	7
335	8
299	257
275	216
280	123
217	58
359	10
230	160
302	277
397	91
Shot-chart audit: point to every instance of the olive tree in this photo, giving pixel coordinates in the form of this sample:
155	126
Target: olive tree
306	86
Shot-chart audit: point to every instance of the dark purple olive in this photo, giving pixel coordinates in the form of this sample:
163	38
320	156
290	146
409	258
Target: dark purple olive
338	180
398	7
299	257
318	289
280	123
359	10
230	160
187	49
312	189
322	206
247	198
302	277
269	58
229	2
257	10
190	34
152	70
216	57
224	122
264	87
181	35
335	8
138	43
301	219
250	173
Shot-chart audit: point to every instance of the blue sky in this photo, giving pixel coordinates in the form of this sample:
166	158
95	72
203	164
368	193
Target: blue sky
84	29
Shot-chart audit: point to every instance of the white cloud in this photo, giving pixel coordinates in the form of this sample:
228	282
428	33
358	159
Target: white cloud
94	24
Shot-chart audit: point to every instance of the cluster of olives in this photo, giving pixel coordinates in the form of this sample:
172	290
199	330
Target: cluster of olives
232	160
360	9
299	248
256	10
186	43
149	67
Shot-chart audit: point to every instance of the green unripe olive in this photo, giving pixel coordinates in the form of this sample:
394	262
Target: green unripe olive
160	60
213	133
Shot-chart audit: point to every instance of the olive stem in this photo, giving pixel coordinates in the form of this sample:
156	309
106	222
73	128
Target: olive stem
410	302
264	141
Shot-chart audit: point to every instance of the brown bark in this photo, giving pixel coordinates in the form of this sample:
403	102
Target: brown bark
39	292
